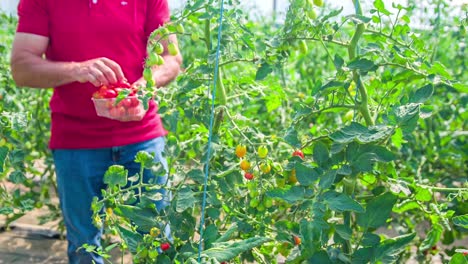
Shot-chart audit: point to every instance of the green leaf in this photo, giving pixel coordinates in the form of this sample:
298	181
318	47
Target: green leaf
3	155
423	195
320	257
116	175
228	234
363	255
17	177
377	211
340	202
345	232
143	218
132	239
433	236
185	199
321	153
370	240
389	250
6	210
440	69
406	206
338	61
461	220
263	71
397	138
364	162
226	251
288	194
379	5
145	159
310	232
458	258
327	179
292	138
356	131
460	87
306	175
363	65
422	94
196	175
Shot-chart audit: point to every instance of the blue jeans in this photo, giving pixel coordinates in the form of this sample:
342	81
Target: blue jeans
80	174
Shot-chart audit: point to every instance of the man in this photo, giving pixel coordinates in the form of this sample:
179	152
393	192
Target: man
75	46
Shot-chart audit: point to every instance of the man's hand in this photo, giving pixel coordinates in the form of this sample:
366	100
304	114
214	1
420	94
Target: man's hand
29	68
100	71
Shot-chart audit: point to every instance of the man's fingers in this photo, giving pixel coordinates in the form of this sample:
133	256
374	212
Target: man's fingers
99	76
93	80
107	72
116	69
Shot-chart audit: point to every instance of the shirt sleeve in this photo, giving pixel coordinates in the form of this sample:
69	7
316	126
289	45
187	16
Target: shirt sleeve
33	17
157	14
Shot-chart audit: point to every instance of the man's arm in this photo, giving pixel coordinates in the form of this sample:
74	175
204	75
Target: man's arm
167	72
29	68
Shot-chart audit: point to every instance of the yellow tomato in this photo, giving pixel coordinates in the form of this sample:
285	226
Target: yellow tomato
154	232
241	150
265	168
292	177
245	164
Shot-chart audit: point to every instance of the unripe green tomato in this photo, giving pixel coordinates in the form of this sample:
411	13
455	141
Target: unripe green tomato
254	202
253	194
303	47
261	207
262	152
160	60
164	31
158	48
318	2
311	13
195	36
268	202
152	59
153	254
172	139
180	29
171	47
143	253
147	74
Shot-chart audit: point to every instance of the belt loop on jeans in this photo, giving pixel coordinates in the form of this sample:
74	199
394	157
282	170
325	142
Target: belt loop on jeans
116	153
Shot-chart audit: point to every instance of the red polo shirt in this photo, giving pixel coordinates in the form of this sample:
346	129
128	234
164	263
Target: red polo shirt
80	30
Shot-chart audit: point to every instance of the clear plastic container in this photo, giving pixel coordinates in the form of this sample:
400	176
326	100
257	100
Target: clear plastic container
129	109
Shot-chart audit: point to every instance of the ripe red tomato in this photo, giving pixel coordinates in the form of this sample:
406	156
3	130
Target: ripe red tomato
134	111
109	93
135	102
124	84
297	240
298	153
117	112
165	246
248	176
127	103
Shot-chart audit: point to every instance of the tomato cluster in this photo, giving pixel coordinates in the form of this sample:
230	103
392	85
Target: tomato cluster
126	109
112	90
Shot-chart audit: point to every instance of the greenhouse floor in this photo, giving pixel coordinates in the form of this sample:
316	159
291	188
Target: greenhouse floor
28	242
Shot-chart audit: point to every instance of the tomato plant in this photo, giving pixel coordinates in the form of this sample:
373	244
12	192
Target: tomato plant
336	139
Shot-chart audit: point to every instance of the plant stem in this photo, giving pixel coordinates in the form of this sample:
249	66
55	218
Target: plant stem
208	35
348	189
443	189
352	50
